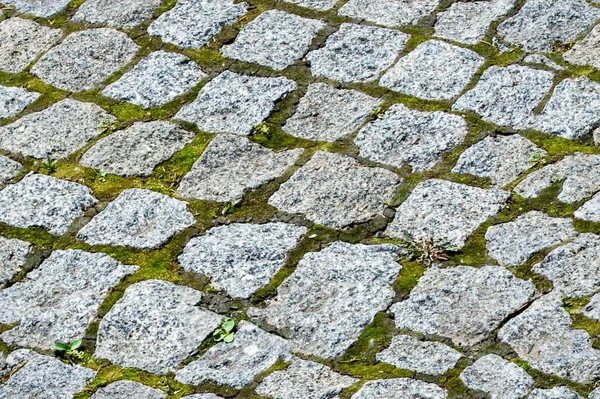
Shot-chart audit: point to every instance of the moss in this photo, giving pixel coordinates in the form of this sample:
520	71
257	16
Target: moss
409	277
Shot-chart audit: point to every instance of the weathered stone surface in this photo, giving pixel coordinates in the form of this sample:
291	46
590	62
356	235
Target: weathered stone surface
126	389
13	254
413	137
542	60
508	95
357	53
407	352
40	8
154	327
156	80
595	394
138	218
462	303
592	309
435	70
55	132
306	380
319	5
498	378
137	150
444	212
500	158
193	23
554	393
58	300
85	59
122	14
241	258
14	100
400	388
9	169
232	103
468	21
46	377
543	336
590	210
587	51
578	174
391	13
328	114
574	268
512	243
343	279
540	23
44	201
236	364
230	166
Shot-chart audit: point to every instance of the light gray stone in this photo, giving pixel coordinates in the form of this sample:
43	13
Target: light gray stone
444	212
319	5
230	166
508	95
137	150
122	14
156	80
306	380
595	394
541	23
9	169
596	137
56	132
400	388
543	336
154	327
284	38
252	352
469	21
241	258
587	51
46	377
126	389
191	24
592	309
554	393
335	191
232	103
542	60
328	114
390	13
39	8
578	174
202	396
84	59
407	352
435	70
13	255
357	53
138	218
498	378
462	303
417	138
574	268
19	357
58	300
332	295
500	158
512	243
14	100
590	210
44	201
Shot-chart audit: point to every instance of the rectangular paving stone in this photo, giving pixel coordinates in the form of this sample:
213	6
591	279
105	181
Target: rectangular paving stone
392	13
39	8
122	14
14	100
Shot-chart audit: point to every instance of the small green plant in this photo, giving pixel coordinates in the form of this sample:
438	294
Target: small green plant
106	126
100	176
425	251
69	350
50	166
265	129
230	208
535	158
225	331
377	113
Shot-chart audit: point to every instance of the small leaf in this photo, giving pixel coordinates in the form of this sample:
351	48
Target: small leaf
228	325
218	335
228	338
60	346
75	344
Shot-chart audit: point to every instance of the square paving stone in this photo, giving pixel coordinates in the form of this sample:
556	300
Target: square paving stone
191	24
241	258
22	41
44	201
39	8
118	13
587	51
336	191
328	114
392	13
399	388
357	53
435	70
85	59
319	5
230	166
126	389
154	327
156	80
14	100
274	39
232	103
13	255
341	287
137	150
444	212
58	300
56	132
413	137
138	218
9	169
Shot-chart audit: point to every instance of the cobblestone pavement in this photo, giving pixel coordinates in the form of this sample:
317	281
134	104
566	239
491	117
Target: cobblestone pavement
391	199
